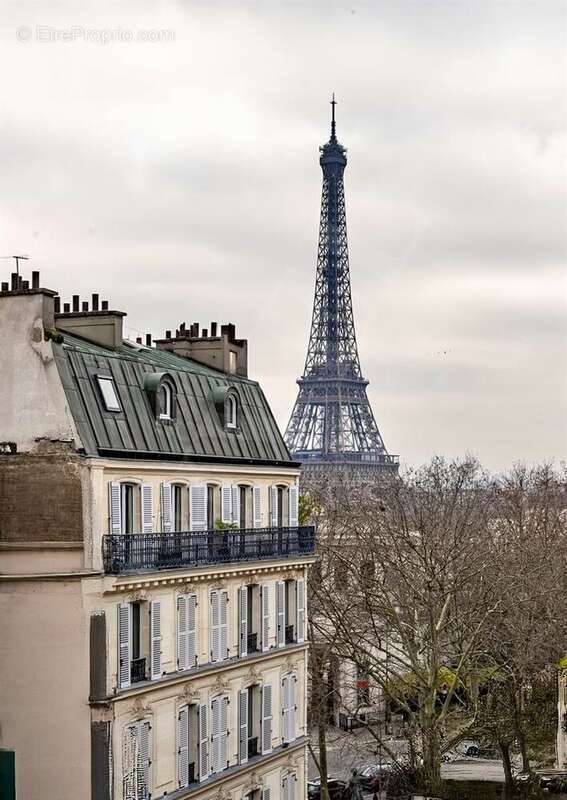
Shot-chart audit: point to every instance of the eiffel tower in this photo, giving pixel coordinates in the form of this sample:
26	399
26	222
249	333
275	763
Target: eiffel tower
332	423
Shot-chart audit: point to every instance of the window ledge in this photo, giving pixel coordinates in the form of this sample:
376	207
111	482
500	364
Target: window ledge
194	789
203	669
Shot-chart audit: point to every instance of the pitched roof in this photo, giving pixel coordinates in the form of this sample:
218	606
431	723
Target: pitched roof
197	433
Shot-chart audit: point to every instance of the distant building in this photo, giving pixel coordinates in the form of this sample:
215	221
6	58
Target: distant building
153	574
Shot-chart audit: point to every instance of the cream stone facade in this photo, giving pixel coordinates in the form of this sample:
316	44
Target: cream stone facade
153	572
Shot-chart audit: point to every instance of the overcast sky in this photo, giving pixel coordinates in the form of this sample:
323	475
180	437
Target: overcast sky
180	179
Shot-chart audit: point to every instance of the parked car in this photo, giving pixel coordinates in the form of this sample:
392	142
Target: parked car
465	748
338	790
553	781
374	776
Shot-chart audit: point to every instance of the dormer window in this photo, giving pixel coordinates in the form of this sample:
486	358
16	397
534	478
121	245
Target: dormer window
108	392
165	401
231	411
161	392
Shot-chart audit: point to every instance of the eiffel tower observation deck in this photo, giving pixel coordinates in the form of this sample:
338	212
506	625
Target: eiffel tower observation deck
332	424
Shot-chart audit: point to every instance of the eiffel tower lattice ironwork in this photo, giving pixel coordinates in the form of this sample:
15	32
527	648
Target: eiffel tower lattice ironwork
332	422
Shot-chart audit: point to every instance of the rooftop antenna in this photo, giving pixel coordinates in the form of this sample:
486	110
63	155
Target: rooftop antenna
17	260
333	125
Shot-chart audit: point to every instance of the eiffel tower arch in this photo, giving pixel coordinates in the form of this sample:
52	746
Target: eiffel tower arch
332	423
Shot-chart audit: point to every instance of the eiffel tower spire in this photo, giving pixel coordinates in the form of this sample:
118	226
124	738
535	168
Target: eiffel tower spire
332	422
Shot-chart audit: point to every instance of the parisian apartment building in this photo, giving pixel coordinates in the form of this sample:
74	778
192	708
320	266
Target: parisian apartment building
153	570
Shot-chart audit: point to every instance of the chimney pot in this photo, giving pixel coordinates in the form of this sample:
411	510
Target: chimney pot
95	302
182	327
66	308
104	306
75	302
57	305
148	339
35	279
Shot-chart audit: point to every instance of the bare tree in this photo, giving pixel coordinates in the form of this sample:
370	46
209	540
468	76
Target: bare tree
420	573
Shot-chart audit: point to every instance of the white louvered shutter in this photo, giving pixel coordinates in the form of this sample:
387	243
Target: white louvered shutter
155	625
236	504
226	503
293	706
186	631
182	632
114	506
130	762
144	760
274	506
266	718
293	506
198	507
300	606
243	619
280	612
124	625
183	746
215	625
265	618
215	734
288	787
223	747
223	614
203	743
191	631
266	794
257	506
147	508
166	508
243	726
286	704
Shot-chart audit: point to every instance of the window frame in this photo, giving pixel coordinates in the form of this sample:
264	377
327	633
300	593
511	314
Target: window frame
165	387
231	412
109	383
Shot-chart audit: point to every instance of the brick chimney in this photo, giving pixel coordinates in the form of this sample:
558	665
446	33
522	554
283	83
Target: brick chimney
103	327
225	352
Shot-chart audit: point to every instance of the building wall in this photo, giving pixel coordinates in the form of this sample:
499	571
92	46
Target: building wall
44	712
32	400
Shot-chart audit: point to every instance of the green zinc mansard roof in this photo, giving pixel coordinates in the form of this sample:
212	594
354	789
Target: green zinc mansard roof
197	433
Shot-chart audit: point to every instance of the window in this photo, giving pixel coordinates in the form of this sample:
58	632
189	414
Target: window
231	412
128	507
177	507
136	761
165	401
108	392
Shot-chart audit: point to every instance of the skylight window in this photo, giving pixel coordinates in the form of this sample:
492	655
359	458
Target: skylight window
108	392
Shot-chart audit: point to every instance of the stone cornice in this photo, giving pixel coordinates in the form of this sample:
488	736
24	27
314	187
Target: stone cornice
214	572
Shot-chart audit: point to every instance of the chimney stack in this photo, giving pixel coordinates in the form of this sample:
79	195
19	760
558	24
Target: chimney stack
104	305
35	279
66	308
95	302
57	305
148	339
75	303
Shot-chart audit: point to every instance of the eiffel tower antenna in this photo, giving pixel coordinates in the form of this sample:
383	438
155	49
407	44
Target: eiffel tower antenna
332	423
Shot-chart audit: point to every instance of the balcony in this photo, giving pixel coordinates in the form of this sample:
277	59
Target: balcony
138	670
253	747
151	551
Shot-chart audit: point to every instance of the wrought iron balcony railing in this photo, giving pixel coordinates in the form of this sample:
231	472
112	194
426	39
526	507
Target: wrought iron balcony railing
148	551
138	670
